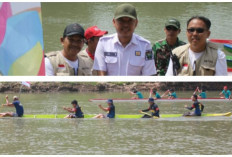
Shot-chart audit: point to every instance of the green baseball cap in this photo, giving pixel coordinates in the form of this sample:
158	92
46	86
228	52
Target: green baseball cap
125	10
173	22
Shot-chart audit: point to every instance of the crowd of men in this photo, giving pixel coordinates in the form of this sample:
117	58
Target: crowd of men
126	53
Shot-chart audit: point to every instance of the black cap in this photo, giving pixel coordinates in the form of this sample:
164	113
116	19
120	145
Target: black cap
173	22
74	29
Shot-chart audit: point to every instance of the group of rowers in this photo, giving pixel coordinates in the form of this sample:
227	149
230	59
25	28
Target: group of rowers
76	111
171	94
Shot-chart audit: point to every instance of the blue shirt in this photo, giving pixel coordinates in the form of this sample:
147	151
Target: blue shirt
203	95
78	112
173	95
157	96
19	108
139	94
226	93
196	105
111	113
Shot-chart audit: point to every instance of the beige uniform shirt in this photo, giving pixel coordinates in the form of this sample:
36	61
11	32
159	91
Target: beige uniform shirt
88	62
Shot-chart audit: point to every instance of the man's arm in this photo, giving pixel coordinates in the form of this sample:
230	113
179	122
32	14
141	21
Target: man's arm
7	102
69	109
221	65
99	60
149	69
48	67
221	93
146	110
104	109
189	108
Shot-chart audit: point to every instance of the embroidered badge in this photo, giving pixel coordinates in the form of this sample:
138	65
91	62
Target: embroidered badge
148	55
111	54
185	66
61	65
137	53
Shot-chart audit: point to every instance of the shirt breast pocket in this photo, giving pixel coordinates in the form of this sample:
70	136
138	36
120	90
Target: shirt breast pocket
207	71
135	66
111	64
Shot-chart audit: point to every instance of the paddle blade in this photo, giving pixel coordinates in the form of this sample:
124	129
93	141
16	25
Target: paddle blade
228	114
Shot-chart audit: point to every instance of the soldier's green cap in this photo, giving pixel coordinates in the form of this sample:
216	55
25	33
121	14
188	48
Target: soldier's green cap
125	10
173	22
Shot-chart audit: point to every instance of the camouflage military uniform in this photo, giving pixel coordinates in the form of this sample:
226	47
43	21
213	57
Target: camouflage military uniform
162	53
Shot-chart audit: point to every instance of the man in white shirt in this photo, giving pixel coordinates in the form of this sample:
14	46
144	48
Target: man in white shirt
66	61
124	53
199	57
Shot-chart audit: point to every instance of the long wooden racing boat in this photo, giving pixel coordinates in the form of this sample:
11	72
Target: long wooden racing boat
125	116
162	100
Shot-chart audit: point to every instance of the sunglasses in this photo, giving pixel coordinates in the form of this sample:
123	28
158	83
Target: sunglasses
171	28
198	30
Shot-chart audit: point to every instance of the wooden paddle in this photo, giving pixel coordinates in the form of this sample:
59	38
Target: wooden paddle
149	115
227	114
165	93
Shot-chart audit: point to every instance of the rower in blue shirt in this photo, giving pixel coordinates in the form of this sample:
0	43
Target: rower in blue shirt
153	108
153	92
138	94
202	92
110	110
172	94
75	112
226	94
197	105
18	106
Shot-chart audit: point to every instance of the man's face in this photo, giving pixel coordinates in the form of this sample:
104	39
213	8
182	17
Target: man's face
150	102
125	26
93	42
72	44
74	105
193	98
171	32
197	33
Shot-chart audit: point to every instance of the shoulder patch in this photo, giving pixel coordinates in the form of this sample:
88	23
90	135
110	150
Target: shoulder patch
148	55
137	53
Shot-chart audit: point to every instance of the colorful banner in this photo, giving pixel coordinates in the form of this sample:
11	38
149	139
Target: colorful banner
21	39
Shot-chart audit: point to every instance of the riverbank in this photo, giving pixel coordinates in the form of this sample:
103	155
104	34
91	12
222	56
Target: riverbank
41	87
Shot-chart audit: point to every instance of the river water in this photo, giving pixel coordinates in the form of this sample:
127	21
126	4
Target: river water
151	16
197	135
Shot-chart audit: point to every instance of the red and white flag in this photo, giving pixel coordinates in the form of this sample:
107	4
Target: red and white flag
28	84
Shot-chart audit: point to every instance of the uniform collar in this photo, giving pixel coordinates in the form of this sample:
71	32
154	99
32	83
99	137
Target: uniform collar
133	40
90	54
174	46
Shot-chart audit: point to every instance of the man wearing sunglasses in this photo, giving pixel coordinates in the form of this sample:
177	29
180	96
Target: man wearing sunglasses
199	57
124	53
66	62
163	48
